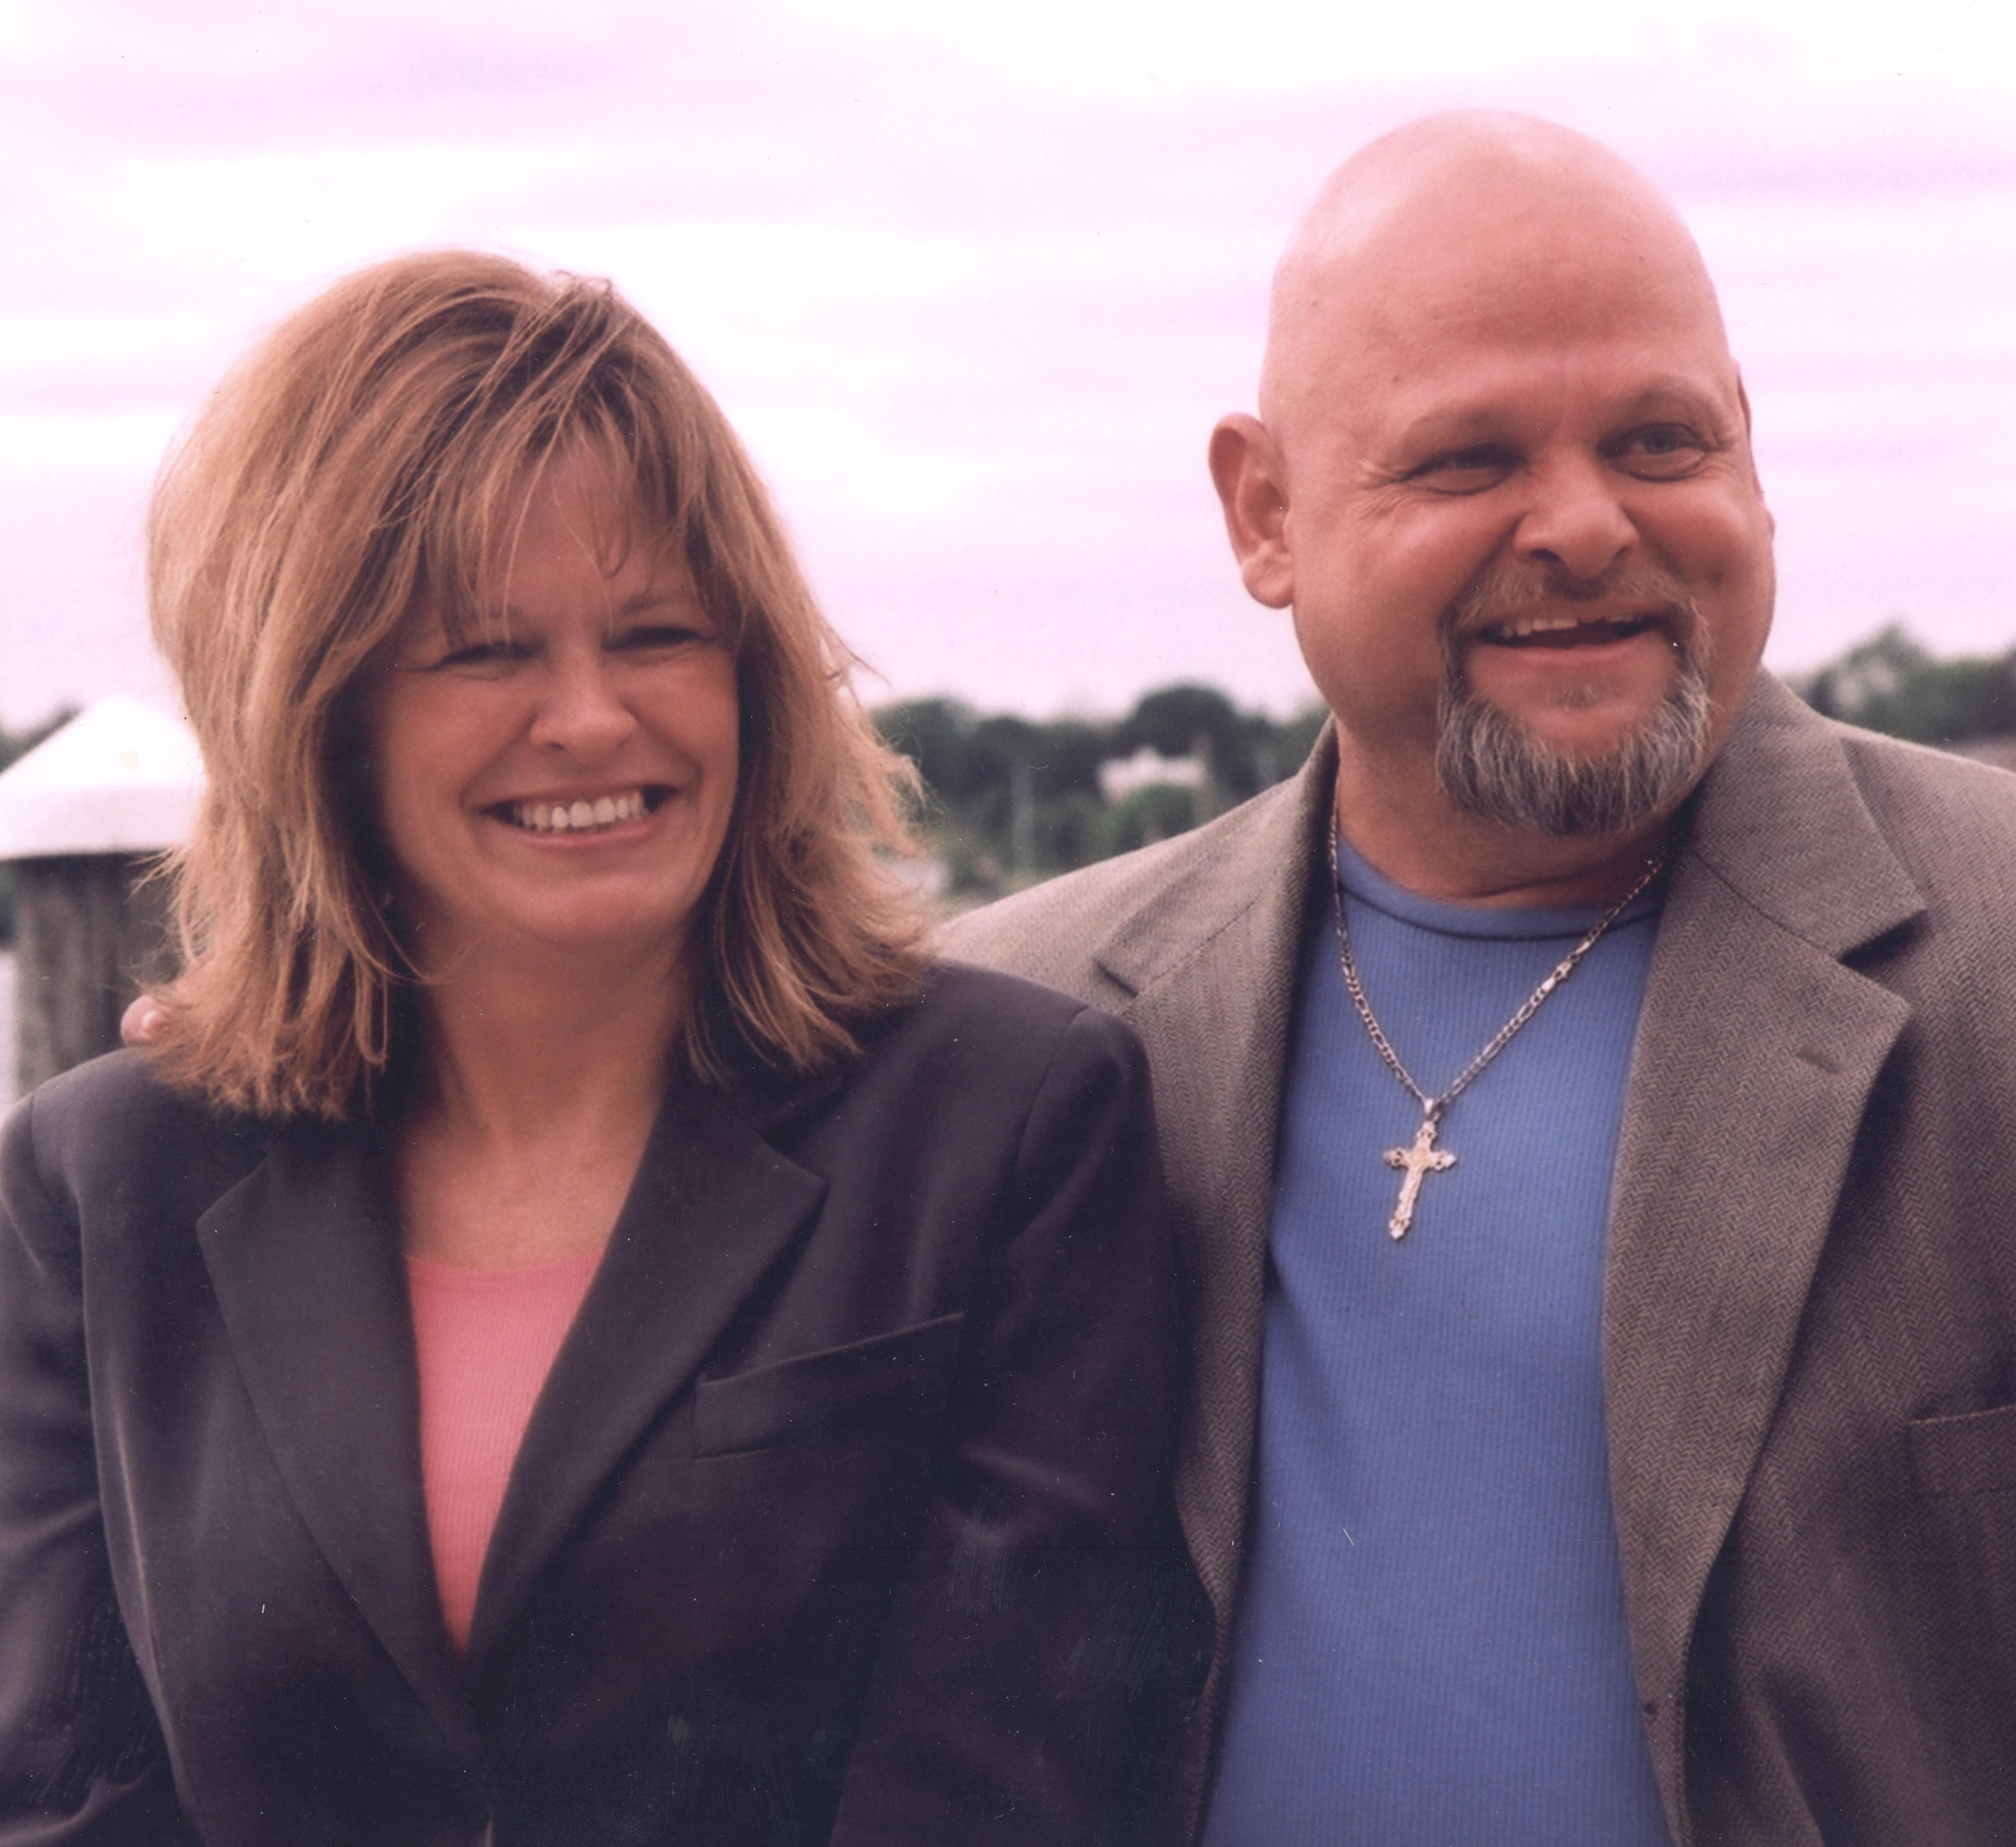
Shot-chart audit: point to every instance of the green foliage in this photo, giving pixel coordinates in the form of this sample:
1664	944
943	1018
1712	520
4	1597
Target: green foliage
13	744
1160	812
1890	683
1012	800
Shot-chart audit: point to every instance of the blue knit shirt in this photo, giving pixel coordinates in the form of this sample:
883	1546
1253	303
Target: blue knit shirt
1430	1649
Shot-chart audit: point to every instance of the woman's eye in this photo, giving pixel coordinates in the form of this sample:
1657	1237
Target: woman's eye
656	637
483	656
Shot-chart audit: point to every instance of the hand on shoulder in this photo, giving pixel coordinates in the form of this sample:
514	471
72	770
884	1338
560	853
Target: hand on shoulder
141	1023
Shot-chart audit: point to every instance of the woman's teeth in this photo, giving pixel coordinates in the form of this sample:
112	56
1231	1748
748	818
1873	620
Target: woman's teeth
579	817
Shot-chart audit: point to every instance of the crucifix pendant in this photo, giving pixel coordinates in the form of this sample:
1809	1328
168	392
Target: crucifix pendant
1423	1158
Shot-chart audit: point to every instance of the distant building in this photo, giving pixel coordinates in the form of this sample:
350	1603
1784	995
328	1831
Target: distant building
1121	776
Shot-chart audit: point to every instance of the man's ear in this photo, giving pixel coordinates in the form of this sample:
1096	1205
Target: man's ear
1246	469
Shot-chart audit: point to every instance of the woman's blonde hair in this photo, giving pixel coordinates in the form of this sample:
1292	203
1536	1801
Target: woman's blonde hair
375	451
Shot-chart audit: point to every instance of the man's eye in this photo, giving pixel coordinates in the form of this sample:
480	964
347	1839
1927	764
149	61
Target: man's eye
1467	471
1660	451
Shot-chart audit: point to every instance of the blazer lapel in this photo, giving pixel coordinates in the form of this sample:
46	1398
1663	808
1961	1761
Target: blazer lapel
713	1207
1757	1049
1210	965
304	1256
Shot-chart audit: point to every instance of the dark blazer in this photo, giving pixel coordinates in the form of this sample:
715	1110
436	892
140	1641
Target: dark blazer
1810	1300
847	1495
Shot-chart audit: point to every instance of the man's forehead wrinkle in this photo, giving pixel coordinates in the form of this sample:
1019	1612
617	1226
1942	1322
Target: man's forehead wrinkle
1518	386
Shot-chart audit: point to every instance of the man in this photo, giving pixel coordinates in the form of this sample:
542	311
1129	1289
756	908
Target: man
1601	1426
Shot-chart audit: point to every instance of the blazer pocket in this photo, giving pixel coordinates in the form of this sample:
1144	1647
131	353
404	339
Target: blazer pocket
1972	1453
826	1394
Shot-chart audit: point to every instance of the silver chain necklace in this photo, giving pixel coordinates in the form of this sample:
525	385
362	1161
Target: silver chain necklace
1422	1157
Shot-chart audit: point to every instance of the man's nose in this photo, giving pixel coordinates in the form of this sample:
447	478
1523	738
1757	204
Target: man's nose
1576	520
582	710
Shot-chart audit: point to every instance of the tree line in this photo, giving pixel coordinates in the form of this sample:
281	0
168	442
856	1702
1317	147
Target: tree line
1009	800
1890	683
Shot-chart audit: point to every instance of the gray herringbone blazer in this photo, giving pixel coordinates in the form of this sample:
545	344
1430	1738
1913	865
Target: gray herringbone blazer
1810	1300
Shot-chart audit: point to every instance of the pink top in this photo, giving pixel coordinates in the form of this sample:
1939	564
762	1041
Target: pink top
487	1339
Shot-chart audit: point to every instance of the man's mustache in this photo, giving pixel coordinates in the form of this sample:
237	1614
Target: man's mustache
1500	591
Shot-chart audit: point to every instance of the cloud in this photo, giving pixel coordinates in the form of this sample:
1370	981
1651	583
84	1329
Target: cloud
975	283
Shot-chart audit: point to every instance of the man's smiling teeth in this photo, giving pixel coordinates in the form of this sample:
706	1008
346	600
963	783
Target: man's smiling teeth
581	816
1519	628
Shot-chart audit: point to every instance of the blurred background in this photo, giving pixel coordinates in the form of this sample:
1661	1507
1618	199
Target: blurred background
974	283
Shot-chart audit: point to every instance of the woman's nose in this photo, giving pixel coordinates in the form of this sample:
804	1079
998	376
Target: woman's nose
582	710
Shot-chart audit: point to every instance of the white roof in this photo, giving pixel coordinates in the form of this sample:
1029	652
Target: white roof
1122	775
119	777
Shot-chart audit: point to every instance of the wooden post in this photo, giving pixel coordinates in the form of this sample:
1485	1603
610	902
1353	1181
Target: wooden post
90	929
84	818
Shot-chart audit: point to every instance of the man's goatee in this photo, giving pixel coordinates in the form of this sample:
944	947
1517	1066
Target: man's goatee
1490	765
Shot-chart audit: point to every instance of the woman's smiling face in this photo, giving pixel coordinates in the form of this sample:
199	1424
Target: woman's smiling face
565	779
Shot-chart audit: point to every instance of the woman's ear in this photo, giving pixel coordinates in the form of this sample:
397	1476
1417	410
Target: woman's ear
1246	469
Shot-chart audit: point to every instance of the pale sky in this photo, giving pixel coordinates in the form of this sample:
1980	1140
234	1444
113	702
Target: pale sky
974	284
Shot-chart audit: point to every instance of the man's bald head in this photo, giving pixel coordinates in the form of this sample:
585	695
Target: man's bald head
1385	240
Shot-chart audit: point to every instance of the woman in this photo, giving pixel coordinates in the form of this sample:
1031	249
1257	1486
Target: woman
572	1331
